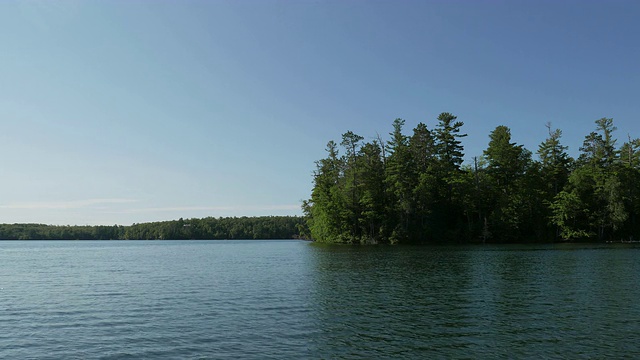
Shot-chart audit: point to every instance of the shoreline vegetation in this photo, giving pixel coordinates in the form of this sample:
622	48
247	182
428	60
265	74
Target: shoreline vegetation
210	228
415	189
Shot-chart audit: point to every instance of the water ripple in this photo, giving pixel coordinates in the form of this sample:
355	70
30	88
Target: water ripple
261	300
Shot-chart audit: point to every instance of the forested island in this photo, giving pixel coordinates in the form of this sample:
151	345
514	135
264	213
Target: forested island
210	228
415	189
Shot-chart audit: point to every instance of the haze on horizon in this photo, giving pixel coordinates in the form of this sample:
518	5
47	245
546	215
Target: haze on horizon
127	112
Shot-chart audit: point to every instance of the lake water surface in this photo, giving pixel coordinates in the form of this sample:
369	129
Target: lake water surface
293	300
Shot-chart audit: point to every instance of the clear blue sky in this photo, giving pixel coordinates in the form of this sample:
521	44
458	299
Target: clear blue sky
134	111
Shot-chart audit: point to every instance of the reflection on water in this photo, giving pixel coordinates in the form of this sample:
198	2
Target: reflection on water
293	300
477	301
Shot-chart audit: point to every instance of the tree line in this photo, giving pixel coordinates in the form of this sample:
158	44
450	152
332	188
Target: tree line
416	188
264	227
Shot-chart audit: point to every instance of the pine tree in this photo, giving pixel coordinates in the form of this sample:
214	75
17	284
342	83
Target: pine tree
555	167
507	165
351	143
399	179
592	202
449	154
325	208
372	198
422	147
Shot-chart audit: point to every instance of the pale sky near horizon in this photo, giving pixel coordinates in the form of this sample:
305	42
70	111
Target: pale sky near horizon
134	111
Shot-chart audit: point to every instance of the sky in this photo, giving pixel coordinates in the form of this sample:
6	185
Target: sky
121	112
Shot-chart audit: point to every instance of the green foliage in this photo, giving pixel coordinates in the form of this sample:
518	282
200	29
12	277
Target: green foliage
568	212
414	189
592	205
449	149
513	187
555	166
265	227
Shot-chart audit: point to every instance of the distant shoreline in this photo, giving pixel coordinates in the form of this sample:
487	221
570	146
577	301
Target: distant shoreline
210	228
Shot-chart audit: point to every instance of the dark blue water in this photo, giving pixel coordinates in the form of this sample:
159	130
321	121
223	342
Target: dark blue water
290	299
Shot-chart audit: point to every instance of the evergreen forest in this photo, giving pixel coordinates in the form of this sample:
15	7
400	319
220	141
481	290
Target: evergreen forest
416	188
262	227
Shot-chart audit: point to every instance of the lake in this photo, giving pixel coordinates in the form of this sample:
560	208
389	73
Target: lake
293	300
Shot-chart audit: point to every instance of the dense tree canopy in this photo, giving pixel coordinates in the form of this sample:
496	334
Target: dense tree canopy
265	227
416	189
